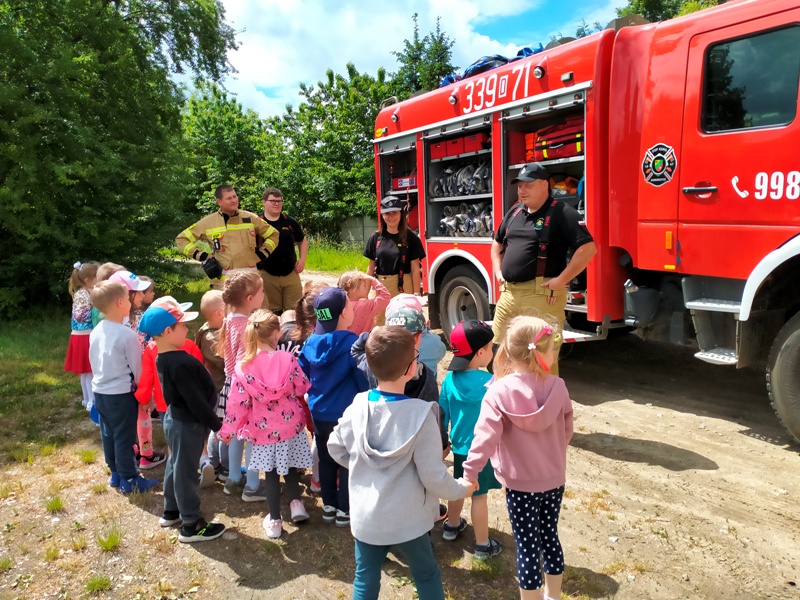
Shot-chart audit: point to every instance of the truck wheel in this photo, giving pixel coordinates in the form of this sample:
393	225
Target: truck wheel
462	296
783	376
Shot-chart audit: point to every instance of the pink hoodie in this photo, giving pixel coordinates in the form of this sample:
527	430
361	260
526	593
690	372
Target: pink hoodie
365	311
524	427
266	403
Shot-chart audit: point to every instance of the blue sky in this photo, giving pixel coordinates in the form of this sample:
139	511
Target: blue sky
286	42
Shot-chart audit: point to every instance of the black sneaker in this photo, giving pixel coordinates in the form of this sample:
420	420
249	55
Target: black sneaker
170	518
450	532
488	550
342	519
200	532
329	513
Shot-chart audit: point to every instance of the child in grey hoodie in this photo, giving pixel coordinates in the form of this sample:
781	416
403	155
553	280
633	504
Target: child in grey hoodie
390	443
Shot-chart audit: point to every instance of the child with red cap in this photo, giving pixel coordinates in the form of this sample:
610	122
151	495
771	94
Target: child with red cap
462	394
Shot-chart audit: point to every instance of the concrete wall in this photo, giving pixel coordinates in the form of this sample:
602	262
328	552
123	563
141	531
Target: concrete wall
358	229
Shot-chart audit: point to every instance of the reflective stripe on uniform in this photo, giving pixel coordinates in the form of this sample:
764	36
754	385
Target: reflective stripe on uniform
234	227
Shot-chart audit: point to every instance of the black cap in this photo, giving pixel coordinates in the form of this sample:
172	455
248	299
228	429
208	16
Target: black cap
466	339
391	204
531	172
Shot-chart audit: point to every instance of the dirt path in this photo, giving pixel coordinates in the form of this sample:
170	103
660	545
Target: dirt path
681	485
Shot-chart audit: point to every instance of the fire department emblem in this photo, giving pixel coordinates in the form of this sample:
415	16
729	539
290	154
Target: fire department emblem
659	165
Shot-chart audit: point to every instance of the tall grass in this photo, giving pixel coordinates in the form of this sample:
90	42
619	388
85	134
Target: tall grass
335	257
35	392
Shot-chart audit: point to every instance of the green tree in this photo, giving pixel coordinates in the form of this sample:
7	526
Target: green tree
423	61
584	29
90	152
225	144
652	10
320	154
661	10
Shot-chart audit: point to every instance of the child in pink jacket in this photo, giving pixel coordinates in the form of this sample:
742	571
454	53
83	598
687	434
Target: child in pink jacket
524	427
266	409
357	286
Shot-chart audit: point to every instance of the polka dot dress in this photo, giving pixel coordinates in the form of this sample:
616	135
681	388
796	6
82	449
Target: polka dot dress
294	452
534	522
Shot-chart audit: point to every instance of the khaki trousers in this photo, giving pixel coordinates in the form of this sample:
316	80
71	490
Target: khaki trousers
528	298
281	293
391	281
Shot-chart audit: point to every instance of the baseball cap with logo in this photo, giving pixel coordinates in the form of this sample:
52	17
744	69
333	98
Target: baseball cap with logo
131	281
466	339
391	204
164	312
411	319
531	172
328	306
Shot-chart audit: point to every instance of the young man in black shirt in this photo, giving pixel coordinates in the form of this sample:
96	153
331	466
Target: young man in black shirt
190	397
281	270
534	282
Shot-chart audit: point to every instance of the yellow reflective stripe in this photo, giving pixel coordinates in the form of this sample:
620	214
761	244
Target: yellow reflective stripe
216	231
268	242
189	235
189	248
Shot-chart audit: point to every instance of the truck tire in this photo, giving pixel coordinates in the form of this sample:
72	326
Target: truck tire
783	376
462	296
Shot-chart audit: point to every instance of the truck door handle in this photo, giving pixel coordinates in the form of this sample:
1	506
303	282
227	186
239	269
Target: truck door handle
701	190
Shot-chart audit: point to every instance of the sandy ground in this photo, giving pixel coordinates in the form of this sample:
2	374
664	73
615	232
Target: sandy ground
681	485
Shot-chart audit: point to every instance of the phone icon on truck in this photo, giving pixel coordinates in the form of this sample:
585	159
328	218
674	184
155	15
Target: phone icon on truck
734	182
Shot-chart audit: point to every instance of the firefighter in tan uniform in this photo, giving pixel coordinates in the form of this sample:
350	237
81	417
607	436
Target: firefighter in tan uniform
233	235
529	253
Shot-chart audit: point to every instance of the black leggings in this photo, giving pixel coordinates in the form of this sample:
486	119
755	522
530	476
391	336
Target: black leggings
273	484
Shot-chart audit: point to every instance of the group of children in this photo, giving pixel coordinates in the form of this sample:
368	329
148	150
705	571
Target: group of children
255	385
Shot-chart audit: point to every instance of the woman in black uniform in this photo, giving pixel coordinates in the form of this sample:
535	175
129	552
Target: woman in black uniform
394	252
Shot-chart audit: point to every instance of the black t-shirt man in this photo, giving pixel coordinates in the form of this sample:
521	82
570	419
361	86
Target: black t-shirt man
519	232
387	254
282	261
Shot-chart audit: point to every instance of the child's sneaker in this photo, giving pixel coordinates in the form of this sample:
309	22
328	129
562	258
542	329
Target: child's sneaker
342	519
138	483
328	513
113	481
488	550
221	474
273	527
233	488
450	532
299	512
207	475
315	486
259	495
150	462
170	518
200	532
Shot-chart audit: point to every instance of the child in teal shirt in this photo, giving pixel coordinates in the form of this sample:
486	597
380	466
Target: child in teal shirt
462	393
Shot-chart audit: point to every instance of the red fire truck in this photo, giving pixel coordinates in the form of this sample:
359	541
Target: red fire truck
687	159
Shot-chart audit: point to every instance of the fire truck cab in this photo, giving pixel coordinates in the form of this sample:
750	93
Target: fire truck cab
688	179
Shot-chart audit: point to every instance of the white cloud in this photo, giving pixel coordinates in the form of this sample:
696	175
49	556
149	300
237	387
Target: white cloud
286	42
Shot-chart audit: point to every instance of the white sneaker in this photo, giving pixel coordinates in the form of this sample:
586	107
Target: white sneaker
207	475
273	527
299	512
